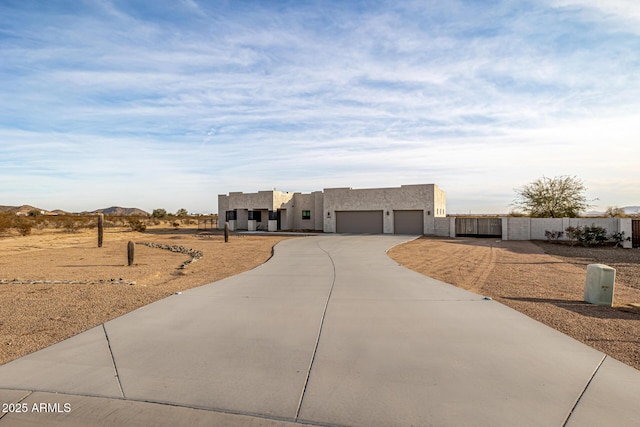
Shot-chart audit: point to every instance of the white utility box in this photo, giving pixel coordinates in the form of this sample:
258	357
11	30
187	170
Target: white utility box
598	288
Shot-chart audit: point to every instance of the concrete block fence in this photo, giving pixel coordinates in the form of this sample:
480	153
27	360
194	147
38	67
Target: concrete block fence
523	228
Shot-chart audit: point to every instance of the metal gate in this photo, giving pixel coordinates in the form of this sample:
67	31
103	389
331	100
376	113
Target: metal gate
635	232
479	227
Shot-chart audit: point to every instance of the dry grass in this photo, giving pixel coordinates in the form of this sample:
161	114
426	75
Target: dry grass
545	287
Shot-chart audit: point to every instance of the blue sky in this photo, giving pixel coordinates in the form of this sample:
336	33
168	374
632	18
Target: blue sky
167	103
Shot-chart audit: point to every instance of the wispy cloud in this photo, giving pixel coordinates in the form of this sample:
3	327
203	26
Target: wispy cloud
166	104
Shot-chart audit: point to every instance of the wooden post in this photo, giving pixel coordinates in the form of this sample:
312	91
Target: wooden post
226	232
130	252
100	229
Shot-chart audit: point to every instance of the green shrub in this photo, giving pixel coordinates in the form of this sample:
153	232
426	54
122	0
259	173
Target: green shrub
573	233
592	235
159	213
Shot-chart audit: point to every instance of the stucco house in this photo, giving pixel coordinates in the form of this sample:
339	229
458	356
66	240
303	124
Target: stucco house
408	209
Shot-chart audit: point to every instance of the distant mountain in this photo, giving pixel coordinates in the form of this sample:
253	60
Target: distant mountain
629	210
117	210
632	210
114	210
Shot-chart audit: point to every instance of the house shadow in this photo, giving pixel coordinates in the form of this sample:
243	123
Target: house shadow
584	308
180	230
515	246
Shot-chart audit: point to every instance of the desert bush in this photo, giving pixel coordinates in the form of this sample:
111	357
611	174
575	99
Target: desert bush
159	213
40	222
555	235
115	221
6	221
137	225
592	235
22	225
70	225
573	233
619	239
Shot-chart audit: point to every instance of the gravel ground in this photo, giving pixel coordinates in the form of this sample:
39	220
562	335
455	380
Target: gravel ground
626	262
544	281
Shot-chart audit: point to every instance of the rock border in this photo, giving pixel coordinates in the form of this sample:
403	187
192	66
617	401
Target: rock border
65	282
194	254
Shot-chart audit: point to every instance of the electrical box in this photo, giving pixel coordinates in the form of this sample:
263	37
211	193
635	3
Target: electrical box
598	288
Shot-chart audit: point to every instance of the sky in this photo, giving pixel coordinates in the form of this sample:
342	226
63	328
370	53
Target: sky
168	103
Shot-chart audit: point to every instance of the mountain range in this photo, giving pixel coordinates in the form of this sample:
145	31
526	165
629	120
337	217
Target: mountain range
114	210
629	210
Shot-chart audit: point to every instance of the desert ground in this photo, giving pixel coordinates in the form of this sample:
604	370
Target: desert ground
36	312
55	284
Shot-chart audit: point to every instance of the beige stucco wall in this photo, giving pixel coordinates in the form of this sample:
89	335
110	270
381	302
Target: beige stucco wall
317	213
223	207
406	197
284	201
526	228
309	202
443	227
251	201
440	202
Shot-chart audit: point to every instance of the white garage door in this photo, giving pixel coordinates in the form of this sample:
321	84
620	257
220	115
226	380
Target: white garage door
359	222
408	222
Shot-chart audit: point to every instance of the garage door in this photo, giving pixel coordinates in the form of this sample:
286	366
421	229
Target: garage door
359	222
408	222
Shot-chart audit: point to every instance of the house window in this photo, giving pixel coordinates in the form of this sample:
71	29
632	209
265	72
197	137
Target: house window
306	214
255	216
230	215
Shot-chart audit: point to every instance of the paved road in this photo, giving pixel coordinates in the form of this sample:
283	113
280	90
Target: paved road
329	332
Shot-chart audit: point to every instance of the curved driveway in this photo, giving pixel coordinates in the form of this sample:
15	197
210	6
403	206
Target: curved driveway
329	332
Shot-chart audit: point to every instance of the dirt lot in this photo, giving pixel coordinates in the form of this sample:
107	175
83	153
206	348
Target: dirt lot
34	314
542	280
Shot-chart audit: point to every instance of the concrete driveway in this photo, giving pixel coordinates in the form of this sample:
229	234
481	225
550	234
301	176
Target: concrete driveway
329	332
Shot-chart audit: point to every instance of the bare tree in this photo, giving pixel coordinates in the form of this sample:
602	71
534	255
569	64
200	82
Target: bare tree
615	212
559	197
